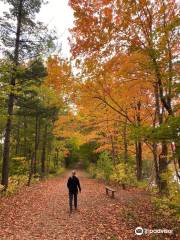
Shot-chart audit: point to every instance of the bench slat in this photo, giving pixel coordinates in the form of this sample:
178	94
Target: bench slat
110	189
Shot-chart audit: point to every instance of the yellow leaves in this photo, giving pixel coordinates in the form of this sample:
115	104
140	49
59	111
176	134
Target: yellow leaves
1	188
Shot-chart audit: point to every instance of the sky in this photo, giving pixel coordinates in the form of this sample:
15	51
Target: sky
56	14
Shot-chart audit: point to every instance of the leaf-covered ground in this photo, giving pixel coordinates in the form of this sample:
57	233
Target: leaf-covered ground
41	212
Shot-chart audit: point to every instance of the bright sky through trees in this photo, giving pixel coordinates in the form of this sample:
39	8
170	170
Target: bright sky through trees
56	14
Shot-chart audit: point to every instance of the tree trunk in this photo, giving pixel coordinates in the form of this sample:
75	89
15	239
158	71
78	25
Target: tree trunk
166	103
162	168
36	144
49	159
18	137
113	151
5	163
43	156
25	137
125	141
163	156
138	160
177	152
48	164
138	144
30	170
156	167
57	158
38	162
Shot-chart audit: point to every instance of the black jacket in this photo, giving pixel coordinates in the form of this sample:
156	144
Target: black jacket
73	184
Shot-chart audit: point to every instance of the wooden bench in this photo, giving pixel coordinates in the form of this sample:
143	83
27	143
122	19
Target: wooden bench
109	189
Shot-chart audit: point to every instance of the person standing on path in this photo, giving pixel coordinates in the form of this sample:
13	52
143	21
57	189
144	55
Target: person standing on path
73	185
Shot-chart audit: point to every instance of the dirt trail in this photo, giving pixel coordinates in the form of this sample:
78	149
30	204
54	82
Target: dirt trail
41	212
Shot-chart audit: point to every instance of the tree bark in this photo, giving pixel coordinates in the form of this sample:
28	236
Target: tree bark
25	137
38	162
138	144
57	157
125	141
162	168
43	156
113	154
166	101
138	160
156	166
36	143
18	137
162	184
30	170
5	164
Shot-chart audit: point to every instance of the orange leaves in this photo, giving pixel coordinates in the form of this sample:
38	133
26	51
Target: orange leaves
66	153
54	74
69	126
92	28
107	12
102	148
59	75
105	2
121	46
41	212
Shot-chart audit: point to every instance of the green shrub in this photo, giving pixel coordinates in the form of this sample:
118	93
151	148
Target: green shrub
59	171
18	166
56	171
169	204
92	170
147	168
104	166
124	174
16	182
85	163
52	171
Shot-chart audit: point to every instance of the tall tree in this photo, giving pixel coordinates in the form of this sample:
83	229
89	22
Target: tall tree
129	43
21	38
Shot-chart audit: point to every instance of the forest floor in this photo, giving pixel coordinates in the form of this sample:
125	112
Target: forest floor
41	212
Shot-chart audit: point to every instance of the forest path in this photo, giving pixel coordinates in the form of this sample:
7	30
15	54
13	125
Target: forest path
41	212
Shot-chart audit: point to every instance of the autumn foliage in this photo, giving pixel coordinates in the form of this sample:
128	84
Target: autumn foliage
126	85
111	108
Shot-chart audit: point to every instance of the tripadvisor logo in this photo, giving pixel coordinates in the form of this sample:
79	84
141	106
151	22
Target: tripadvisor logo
139	231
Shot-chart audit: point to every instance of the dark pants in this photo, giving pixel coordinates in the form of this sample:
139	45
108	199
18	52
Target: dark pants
71	196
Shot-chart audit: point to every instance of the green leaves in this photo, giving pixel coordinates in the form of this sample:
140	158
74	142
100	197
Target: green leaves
124	174
168	131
